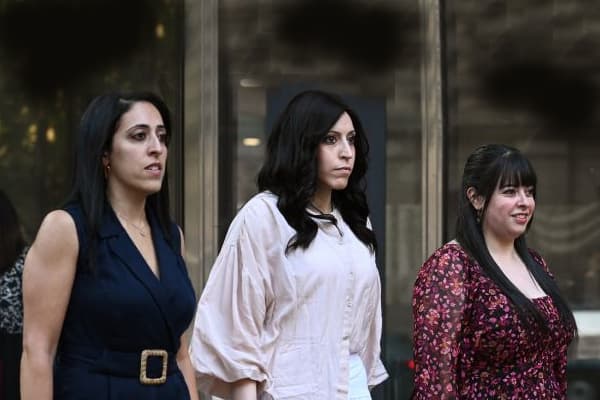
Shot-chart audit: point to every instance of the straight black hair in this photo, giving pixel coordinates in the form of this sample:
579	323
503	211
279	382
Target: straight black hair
291	167
488	167
12	241
96	131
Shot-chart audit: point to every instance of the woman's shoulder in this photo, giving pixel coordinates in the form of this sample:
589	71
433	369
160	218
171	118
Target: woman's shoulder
260	206
58	220
57	235
262	199
447	270
57	224
257	216
452	249
449	256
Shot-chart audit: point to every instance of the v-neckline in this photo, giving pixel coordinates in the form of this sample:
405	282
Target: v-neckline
151	226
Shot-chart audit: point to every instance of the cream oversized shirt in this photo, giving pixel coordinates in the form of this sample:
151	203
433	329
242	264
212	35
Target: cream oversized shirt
290	321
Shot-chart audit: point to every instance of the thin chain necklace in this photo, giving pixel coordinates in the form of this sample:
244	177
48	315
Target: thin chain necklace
141	230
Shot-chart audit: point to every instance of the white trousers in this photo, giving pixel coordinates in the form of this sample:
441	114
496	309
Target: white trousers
358	387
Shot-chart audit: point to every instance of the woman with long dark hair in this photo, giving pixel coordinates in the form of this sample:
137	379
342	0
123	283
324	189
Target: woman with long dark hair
13	249
107	296
489	319
292	307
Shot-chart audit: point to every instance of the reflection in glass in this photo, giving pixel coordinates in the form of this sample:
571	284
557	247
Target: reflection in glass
47	79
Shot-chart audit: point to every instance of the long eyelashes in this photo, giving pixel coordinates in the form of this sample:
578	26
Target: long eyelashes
510	190
329	139
332	139
142	135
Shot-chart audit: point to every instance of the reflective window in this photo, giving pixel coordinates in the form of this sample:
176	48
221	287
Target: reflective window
524	74
47	78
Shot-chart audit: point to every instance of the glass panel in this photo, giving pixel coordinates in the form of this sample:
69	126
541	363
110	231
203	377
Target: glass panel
524	73
47	79
270	50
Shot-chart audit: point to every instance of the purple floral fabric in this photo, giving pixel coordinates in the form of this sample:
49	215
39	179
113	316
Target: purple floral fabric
469	342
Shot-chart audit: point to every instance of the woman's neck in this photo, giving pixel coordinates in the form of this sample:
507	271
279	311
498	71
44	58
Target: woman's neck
500	249
322	202
130	207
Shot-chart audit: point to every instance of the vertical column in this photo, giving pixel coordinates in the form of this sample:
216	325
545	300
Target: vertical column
432	125
200	151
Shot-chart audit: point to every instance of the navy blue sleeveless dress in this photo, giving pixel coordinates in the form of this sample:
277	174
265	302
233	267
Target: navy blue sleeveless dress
117	311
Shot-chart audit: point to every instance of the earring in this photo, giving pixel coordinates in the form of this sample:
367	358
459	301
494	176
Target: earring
106	171
479	211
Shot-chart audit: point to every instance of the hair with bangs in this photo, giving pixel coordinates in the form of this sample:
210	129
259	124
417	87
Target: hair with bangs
291	166
487	168
97	128
497	166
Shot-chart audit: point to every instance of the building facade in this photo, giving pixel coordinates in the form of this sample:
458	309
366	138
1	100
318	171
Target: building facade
430	79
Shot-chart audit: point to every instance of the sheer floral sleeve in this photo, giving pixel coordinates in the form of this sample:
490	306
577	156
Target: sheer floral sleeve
438	307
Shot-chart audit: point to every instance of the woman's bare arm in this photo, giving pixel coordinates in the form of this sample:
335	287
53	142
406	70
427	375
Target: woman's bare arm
185	365
243	390
48	277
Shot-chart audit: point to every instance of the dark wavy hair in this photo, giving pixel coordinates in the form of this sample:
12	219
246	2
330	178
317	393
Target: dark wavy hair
96	131
12	240
291	167
488	167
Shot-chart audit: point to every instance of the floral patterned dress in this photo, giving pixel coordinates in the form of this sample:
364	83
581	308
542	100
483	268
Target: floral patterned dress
469	342
11	297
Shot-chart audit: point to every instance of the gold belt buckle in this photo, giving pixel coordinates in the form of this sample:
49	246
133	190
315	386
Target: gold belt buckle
144	362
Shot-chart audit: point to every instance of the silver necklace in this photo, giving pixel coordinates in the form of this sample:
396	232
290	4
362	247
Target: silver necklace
141	230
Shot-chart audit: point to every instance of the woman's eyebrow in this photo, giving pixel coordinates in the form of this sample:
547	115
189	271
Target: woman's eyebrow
340	133
143	126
